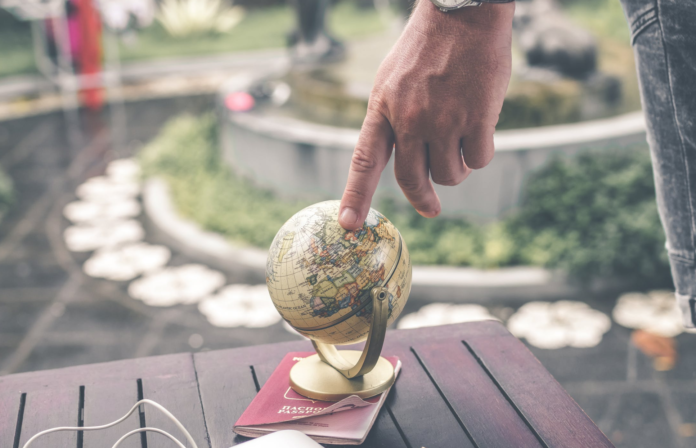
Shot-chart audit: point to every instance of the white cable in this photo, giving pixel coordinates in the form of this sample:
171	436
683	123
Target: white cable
135	431
109	425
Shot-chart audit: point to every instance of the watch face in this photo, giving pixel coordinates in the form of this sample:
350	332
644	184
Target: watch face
450	4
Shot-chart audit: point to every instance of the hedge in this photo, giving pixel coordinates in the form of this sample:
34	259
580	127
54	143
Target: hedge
593	216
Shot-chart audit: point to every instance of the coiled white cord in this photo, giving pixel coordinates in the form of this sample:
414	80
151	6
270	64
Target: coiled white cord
135	431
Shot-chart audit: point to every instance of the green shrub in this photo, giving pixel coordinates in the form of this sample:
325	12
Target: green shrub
592	216
449	241
186	155
6	195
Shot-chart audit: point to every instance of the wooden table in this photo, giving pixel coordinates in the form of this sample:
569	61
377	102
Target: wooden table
464	385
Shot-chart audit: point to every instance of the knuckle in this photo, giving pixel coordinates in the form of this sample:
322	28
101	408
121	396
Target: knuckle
377	103
410	185
412	118
480	124
355	193
363	161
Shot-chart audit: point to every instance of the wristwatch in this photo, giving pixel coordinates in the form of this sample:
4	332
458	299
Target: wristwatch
451	5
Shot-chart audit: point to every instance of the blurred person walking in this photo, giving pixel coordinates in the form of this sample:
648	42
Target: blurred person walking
438	94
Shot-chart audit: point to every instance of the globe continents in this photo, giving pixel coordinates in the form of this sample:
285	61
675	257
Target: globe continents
320	275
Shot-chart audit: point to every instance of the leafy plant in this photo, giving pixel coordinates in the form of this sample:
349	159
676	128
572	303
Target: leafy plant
182	18
592	216
186	155
449	241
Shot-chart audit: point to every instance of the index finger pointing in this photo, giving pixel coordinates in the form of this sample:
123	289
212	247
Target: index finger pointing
370	156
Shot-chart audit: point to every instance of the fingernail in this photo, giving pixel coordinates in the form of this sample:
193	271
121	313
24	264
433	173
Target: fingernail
429	214
349	217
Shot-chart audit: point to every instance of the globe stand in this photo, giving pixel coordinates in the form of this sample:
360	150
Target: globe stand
333	375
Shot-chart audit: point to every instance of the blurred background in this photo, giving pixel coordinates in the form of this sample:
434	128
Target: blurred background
150	150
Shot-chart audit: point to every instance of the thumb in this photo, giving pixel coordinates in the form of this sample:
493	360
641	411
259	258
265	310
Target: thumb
369	159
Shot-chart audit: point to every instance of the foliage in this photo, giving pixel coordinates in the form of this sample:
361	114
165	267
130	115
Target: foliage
185	18
6	194
449	241
593	216
186	155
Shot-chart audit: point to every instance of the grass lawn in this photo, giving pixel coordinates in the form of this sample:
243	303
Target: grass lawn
263	28
267	28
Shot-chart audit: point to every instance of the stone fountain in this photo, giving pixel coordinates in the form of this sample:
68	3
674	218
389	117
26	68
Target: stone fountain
298	138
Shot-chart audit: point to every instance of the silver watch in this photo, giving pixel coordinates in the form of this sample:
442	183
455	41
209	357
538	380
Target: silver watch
450	5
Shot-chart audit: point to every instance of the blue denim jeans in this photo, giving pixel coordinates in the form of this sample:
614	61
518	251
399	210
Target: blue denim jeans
663	34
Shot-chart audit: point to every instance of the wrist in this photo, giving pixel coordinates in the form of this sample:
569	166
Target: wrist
488	17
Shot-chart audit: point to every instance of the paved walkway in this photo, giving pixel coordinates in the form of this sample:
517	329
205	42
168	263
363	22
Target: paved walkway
53	315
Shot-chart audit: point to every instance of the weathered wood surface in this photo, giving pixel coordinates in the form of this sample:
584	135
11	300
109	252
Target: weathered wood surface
47	409
480	406
9	410
107	402
464	385
543	402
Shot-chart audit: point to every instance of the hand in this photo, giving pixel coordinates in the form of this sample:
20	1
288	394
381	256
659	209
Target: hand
436	100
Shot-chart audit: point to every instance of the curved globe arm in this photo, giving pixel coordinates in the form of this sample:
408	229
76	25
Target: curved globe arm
375	339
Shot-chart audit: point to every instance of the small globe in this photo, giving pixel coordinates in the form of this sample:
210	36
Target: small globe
320	275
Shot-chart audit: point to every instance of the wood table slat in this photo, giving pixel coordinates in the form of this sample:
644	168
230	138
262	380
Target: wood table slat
103	372
420	411
489	418
105	403
227	385
553	414
220	385
46	409
9	412
177	391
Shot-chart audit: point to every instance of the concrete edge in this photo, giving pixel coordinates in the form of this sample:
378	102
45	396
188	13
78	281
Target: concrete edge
447	283
573	134
189	238
136	70
300	131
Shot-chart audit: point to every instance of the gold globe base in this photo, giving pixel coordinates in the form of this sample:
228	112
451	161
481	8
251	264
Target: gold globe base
313	378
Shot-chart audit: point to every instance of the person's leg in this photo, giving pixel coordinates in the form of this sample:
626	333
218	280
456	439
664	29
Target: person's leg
311	42
310	18
664	41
